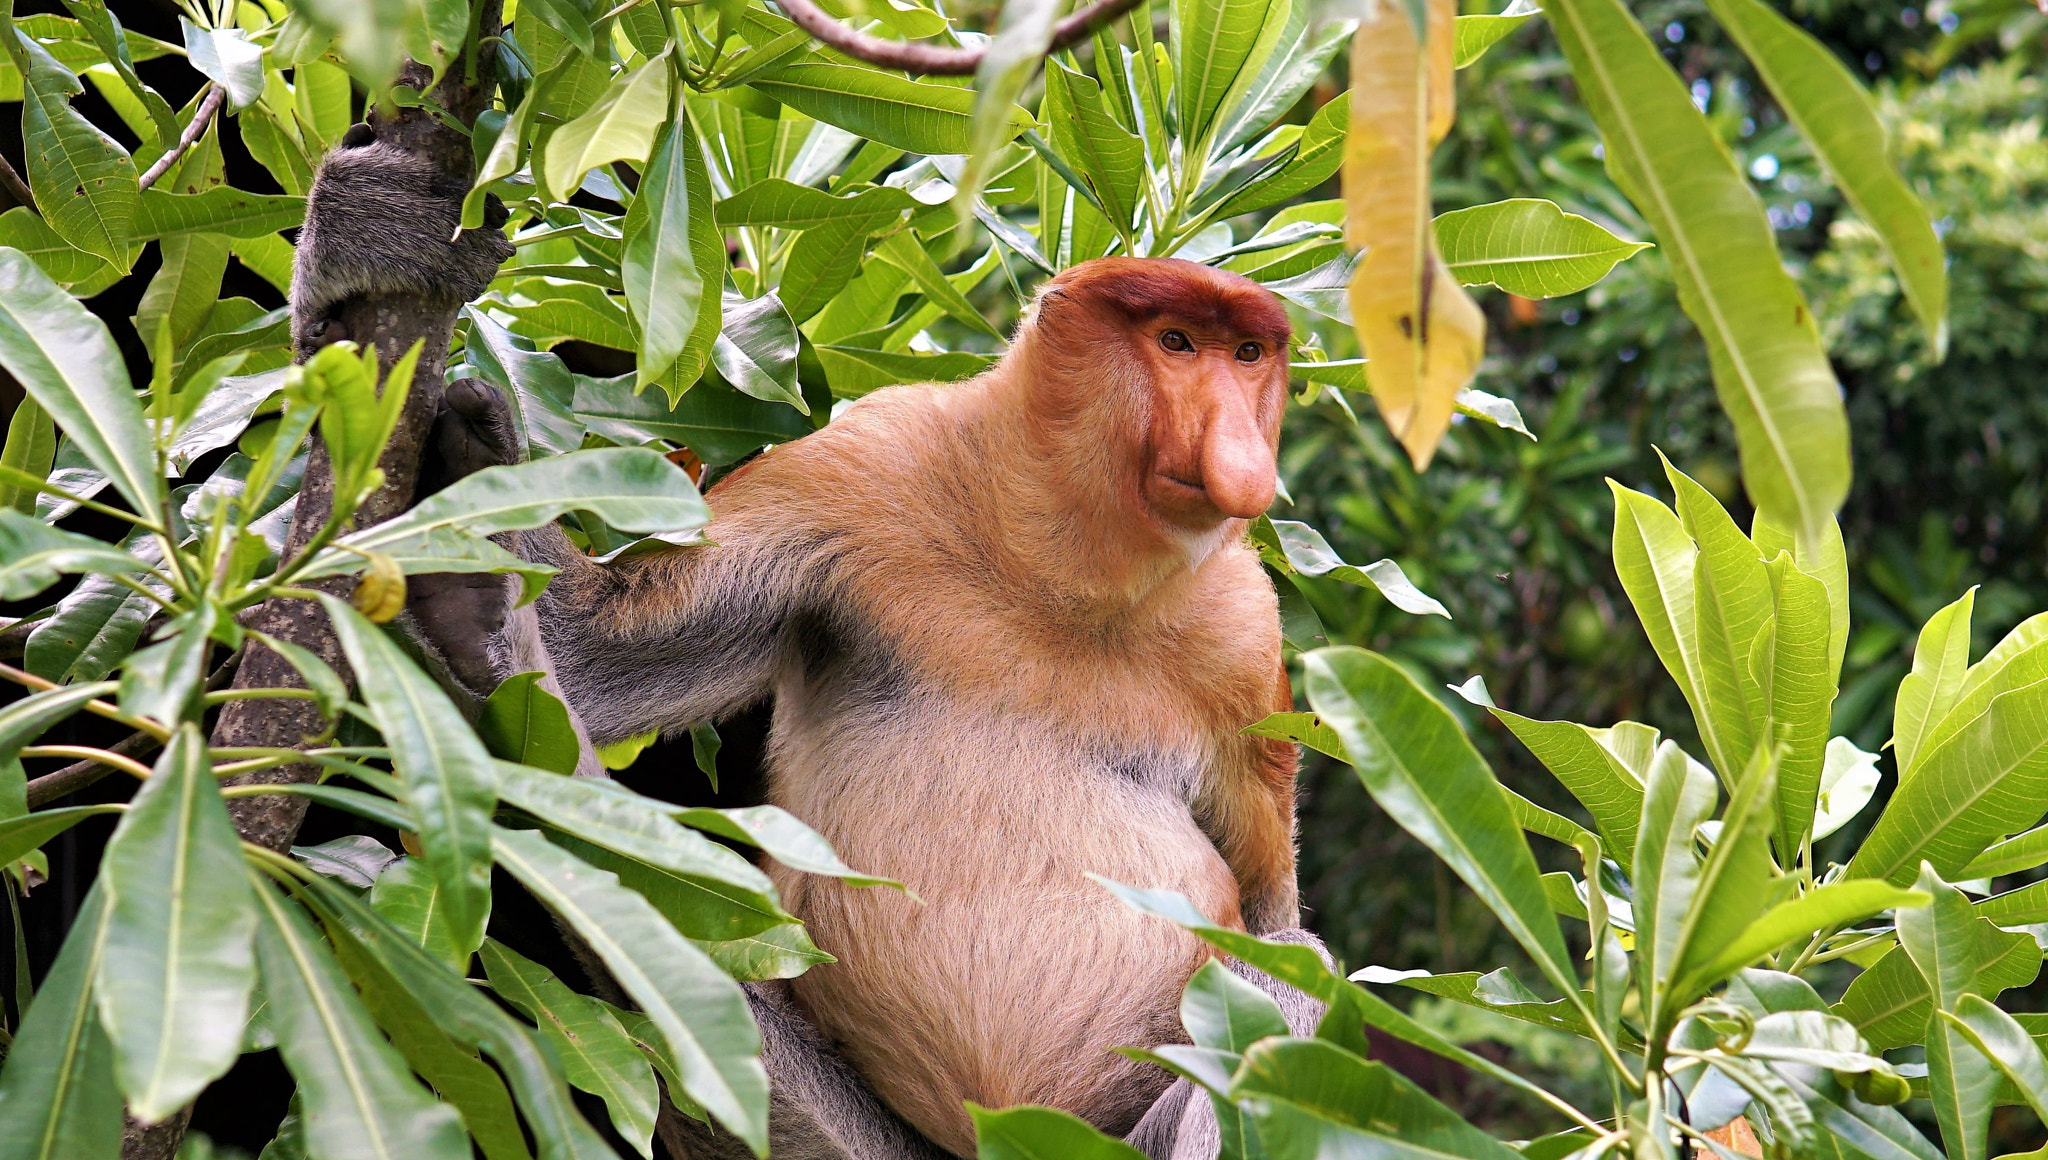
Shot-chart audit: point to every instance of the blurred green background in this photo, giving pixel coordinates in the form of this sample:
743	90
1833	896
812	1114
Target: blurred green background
1951	459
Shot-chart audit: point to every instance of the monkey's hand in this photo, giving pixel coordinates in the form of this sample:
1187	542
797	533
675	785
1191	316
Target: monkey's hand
381	218
461	617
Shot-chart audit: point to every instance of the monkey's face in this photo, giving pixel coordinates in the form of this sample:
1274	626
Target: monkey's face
1212	425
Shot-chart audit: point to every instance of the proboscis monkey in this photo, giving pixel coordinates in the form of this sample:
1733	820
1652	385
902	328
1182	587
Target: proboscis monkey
1011	631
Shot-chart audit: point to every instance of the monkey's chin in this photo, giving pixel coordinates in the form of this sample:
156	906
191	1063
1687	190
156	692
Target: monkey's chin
1198	544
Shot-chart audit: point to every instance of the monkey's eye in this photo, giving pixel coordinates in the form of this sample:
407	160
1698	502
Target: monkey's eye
1175	340
1249	352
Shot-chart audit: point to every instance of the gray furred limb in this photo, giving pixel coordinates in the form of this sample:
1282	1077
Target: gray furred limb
384	219
818	1107
1181	1125
660	641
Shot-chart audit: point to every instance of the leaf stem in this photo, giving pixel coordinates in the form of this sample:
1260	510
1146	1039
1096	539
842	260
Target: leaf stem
201	118
95	706
103	756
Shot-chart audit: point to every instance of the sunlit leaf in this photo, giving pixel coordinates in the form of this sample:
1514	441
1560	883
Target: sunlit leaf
1528	246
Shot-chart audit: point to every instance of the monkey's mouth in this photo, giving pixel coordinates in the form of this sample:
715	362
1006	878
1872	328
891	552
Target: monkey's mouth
1191	485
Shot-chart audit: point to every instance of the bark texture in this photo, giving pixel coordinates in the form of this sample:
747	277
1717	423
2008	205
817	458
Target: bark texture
394	322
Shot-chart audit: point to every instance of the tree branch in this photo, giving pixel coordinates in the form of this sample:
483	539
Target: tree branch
201	118
932	59
15	188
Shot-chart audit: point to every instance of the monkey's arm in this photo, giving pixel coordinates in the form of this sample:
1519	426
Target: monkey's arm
1247	808
657	641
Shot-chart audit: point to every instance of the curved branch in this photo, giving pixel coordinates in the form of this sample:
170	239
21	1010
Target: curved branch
201	118
933	59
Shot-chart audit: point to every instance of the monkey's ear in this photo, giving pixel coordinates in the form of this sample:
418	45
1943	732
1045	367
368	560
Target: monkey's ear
359	135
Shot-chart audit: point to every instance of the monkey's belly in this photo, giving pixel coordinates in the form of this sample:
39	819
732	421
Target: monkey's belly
1018	976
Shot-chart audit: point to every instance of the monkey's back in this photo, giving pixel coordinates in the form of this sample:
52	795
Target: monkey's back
992	761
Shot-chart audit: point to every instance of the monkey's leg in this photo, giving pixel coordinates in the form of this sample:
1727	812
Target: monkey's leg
819	1109
382	218
1181	1125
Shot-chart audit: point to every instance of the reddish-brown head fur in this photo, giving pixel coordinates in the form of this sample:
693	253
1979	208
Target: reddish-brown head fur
1168	378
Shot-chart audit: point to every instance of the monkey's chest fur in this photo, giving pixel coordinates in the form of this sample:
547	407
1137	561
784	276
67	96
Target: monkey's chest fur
993	790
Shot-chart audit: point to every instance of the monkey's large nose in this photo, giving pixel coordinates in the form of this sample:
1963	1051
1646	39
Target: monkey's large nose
1237	464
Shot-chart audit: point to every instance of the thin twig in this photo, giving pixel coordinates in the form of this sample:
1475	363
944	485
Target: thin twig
932	59
190	137
118	761
72	778
77	776
15	188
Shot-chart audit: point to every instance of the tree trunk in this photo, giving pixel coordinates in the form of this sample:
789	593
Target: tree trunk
394	322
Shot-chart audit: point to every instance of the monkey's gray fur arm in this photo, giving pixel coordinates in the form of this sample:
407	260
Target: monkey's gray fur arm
381	218
1181	1125
818	1109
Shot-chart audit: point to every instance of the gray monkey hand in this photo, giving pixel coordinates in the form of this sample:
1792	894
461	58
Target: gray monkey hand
462	615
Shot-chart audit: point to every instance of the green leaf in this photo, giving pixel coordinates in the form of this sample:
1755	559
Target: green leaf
452	1068
1769	366
447	774
633	489
787	205
524	723
20	836
1476	34
1968	791
30	448
821	263
1294	547
1419	766
737	899
1109	157
700	1012
1218	48
227	58
619	127
1221	1010
1736	877
58	1100
22	229
881	106
1790	659
1890	1003
1941	941
1941	657
232	213
1678	795
84	183
779	834
2006	1044
64	357
1031	1133
1317	156
1299	59
1326	1101
780	952
1499	992
901	249
672	261
756	352
173	986
1528	246
1655	560
853	371
718	423
469	1017
1835	115
1022	37
1582	758
2022	851
595	1050
164	680
354	861
1829	907
547	311
409	897
360	1101
1731	604
34	555
539	386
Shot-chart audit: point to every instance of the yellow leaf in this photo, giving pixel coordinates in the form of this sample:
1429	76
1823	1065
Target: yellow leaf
1421	333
